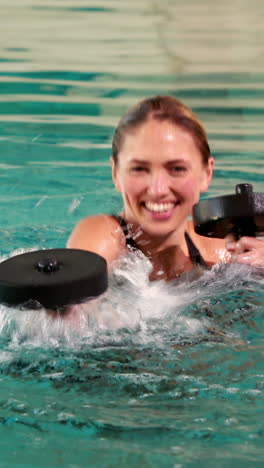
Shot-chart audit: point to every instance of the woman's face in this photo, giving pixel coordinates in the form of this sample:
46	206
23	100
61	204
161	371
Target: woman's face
160	175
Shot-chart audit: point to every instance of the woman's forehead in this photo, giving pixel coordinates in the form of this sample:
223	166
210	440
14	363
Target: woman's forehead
154	136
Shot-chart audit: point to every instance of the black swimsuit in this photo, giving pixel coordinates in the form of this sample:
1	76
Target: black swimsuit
194	253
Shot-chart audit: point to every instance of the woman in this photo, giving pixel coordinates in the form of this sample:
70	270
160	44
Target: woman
161	162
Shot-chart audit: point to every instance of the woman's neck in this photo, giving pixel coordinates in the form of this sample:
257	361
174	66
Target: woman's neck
151	245
169	254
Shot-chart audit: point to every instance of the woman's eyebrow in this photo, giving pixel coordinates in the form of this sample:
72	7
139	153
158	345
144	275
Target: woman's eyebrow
176	161
167	162
138	161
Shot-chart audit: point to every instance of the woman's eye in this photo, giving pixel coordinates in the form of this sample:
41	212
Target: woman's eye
138	169
178	169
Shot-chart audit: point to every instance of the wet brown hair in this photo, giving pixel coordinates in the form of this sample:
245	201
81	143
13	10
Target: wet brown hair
161	108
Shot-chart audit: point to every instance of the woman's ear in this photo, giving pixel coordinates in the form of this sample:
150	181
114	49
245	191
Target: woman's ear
114	174
207	175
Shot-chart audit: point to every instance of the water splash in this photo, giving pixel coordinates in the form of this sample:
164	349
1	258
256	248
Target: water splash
220	305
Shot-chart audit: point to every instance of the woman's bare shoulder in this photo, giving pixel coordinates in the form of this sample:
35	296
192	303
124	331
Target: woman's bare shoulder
213	250
100	234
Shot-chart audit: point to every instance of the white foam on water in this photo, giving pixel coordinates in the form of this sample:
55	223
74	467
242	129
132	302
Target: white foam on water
133	309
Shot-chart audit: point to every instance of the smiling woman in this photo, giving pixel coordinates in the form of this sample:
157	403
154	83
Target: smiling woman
161	163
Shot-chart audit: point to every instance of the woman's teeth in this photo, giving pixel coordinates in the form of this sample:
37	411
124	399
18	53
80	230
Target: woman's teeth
159	207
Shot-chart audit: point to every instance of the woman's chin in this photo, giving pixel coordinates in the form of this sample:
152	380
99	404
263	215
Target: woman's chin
163	227
158	231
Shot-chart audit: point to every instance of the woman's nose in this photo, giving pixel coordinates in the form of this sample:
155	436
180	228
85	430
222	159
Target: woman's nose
159	184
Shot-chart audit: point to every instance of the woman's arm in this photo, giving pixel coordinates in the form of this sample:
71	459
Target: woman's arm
246	250
100	234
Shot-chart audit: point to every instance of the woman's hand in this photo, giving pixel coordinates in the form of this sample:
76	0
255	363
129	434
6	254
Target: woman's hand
246	250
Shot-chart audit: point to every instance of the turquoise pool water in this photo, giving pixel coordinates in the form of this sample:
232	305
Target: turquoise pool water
180	383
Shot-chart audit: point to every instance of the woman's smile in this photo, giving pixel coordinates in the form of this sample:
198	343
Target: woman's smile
162	211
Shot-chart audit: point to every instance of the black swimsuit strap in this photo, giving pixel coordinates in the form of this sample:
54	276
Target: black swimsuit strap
194	253
130	242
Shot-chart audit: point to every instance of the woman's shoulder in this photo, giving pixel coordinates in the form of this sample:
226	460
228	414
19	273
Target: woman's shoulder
101	234
97	222
213	250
